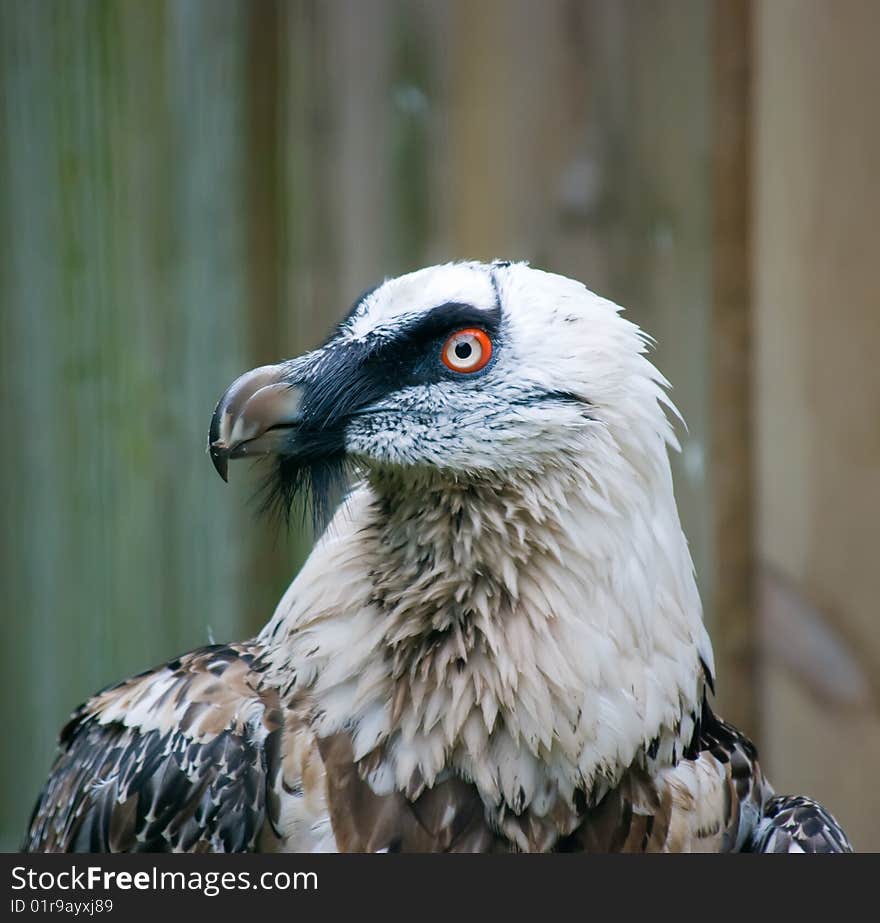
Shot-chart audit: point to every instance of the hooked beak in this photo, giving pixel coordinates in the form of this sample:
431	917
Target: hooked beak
254	417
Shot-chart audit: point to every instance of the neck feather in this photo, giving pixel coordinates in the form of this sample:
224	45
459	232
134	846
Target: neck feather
538	633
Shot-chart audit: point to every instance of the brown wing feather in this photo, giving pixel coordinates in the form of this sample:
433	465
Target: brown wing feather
172	760
449	817
798	824
709	801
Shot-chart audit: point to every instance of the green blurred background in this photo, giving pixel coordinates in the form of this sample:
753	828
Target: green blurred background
190	188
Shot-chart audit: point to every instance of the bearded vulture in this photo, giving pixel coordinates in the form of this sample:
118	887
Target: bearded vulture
497	642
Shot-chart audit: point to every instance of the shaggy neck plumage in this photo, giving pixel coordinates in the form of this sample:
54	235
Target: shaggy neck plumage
537	633
452	551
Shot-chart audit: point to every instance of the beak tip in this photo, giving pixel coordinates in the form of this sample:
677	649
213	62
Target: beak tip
220	460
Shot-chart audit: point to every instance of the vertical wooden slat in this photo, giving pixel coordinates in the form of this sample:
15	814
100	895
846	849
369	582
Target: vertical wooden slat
269	547
30	476
662	246
210	338
477	208
309	247
410	98
358	64
731	366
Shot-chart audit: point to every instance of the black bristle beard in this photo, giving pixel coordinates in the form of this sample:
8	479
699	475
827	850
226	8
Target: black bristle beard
306	489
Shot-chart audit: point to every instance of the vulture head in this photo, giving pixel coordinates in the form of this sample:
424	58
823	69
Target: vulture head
512	536
459	372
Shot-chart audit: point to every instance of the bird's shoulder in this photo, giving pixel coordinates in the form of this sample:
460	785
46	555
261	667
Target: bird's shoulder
188	756
707	799
714	799
202	693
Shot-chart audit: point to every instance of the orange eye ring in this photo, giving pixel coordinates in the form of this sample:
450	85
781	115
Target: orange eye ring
467	351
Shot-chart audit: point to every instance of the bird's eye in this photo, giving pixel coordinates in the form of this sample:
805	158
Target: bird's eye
467	350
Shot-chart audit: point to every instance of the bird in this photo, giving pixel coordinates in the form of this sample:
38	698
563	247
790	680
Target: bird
496	643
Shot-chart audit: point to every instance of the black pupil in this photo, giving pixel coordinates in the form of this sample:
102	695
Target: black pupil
463	350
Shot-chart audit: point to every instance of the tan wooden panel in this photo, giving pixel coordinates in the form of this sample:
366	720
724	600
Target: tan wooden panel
817	197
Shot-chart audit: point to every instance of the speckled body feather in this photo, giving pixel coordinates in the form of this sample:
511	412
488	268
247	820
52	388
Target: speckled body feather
496	645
